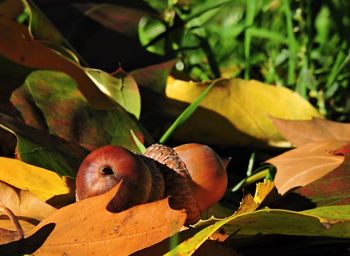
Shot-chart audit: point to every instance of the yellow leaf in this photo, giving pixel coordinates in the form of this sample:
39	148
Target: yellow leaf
41	182
238	111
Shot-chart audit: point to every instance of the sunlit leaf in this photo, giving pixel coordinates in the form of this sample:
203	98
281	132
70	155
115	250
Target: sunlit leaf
331	189
119	87
43	183
239	109
95	230
303	165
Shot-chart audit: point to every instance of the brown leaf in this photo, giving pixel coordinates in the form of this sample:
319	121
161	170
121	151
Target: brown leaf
250	203
303	165
331	189
88	228
29	209
23	203
301	132
11	9
7	236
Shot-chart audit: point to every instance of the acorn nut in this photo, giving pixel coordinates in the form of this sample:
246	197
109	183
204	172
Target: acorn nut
193	175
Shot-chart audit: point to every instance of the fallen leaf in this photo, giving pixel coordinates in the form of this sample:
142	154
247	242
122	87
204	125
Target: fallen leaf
43	183
7	236
29	112
23	203
17	45
263	190
249	204
301	132
119	18
41	149
246	105
28	209
317	222
92	229
303	165
331	189
69	116
119	87
276	221
154	77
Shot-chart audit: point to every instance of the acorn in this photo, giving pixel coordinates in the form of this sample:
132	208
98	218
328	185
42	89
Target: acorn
106	166
192	175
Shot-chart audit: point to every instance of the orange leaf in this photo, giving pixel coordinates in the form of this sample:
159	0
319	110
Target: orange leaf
88	228
333	188
303	165
300	132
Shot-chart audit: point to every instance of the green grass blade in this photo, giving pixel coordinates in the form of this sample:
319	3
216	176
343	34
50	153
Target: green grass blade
249	21
340	63
292	43
182	118
267	34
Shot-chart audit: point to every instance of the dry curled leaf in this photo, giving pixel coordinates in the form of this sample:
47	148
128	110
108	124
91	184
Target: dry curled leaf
23	203
7	236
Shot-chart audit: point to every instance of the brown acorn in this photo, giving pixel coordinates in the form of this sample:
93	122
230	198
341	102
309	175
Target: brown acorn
192	175
106	166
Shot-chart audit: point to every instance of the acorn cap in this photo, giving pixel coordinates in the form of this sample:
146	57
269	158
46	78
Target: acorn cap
177	180
158	183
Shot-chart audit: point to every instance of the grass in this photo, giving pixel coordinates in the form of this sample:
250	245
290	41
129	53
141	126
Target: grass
303	45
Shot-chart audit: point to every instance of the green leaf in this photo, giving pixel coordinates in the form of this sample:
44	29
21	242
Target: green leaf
316	222
151	34
69	116
120	87
41	149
